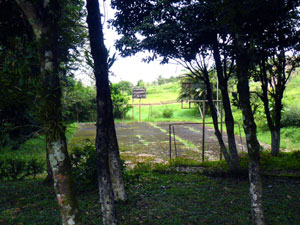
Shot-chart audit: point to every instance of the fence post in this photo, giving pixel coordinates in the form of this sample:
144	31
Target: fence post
175	142
132	111
203	131
170	142
221	155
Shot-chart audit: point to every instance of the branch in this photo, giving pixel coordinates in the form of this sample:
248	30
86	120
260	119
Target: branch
32	16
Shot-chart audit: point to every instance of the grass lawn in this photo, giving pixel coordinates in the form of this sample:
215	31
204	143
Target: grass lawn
158	197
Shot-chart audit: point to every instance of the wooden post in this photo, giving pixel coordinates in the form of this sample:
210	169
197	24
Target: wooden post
175	142
203	132
170	142
140	110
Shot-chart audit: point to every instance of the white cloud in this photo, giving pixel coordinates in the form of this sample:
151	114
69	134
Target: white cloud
132	68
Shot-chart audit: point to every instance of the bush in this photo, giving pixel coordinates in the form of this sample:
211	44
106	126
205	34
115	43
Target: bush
167	112
17	168
119	101
291	117
83	161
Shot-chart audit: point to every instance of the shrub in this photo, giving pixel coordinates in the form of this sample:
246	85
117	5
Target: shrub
17	168
119	101
167	112
291	117
83	161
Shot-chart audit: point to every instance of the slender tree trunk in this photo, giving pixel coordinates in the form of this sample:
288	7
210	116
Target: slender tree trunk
233	167
229	121
110	179
275	141
44	21
255	189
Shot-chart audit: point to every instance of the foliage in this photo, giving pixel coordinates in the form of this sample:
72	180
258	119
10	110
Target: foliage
79	102
141	83
83	160
120	101
20	85
125	87
291	117
167	112
17	167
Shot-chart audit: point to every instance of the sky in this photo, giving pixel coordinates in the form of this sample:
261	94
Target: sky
131	68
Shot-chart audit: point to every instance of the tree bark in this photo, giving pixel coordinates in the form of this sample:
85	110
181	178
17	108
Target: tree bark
229	121
44	21
255	190
111	185
275	141
49	178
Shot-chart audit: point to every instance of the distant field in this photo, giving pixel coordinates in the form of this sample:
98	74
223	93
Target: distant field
170	91
161	93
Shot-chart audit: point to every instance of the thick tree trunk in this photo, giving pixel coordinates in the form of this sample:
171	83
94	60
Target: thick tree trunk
45	29
255	189
229	121
49	178
115	167
110	179
62	175
255	192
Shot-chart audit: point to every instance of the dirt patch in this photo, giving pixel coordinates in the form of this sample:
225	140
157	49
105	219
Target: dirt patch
149	142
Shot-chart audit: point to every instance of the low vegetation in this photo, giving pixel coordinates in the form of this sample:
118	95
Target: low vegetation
161	195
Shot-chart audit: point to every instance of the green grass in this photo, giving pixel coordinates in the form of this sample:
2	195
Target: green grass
35	147
164	196
290	138
161	93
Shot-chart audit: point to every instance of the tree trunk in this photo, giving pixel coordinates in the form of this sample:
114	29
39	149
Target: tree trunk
110	179
255	192
233	167
275	141
229	121
45	29
255	189
115	167
49	178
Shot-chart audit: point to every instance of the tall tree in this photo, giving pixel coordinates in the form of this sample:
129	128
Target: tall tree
277	45
241	17
110	179
180	30
43	18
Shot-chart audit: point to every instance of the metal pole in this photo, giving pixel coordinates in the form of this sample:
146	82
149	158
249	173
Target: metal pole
170	142
221	155
132	111
140	110
203	131
175	142
218	108
241	137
